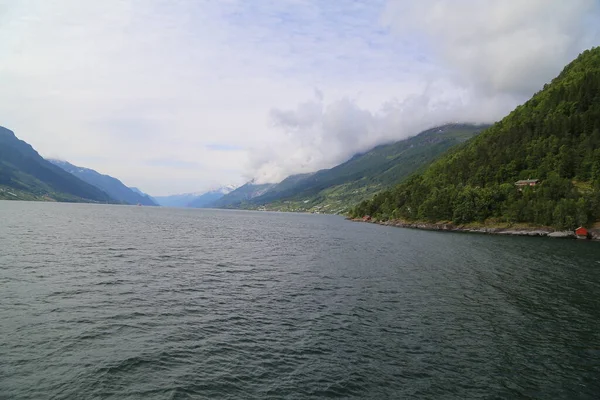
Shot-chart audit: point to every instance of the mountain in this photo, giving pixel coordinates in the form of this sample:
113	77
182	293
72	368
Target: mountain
114	187
343	186
196	200
207	199
25	175
242	194
554	139
141	193
176	200
138	191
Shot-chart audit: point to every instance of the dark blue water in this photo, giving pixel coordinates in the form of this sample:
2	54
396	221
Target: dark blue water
118	302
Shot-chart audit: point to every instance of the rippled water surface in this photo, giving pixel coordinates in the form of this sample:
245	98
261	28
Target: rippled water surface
119	302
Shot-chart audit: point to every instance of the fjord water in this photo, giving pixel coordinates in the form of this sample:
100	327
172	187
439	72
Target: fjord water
138	302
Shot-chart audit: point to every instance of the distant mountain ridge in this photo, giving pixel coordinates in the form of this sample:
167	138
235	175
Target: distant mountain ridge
242	194
140	192
114	187
194	200
207	199
26	175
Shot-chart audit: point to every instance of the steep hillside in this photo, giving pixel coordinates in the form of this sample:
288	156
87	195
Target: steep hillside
338	188
554	138
114	187
25	175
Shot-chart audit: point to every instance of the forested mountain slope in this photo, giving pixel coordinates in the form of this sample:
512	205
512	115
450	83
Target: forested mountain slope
554	137
338	188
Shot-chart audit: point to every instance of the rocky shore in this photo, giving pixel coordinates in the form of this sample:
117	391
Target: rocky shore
549	232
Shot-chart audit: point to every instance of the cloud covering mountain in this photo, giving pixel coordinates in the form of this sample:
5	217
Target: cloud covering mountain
491	54
184	96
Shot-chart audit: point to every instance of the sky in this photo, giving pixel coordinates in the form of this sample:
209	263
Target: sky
187	95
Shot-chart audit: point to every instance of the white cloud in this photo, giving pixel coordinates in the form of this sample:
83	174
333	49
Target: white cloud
511	46
319	135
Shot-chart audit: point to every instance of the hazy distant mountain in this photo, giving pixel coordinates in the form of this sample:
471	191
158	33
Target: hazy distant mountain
176	200
114	187
25	175
196	200
208	198
242	194
138	191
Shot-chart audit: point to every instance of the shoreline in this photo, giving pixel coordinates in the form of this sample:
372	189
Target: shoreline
448	227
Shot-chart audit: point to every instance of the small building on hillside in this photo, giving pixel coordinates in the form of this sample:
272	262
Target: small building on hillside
527	182
581	233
